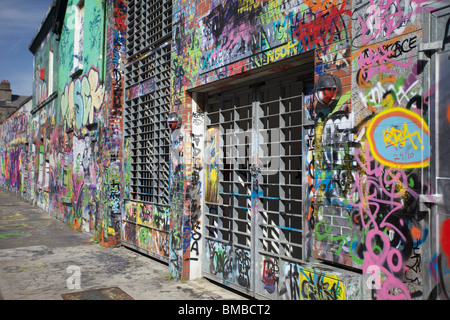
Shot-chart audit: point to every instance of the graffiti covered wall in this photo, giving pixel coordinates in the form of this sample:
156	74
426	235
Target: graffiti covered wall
112	154
14	150
367	154
380	172
76	146
65	137
216	40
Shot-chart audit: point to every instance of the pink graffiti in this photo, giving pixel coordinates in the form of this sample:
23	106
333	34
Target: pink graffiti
379	185
387	16
387	256
373	62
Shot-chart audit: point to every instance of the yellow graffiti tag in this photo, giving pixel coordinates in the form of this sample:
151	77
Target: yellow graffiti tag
324	286
397	137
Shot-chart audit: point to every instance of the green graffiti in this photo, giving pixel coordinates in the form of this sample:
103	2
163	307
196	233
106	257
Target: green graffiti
6	235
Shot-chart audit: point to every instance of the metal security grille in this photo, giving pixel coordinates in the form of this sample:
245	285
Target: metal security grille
233	115
254	228
149	23
147	105
228	217
147	98
279	219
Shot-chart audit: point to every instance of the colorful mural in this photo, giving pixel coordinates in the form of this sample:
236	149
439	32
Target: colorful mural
14	150
367	156
66	127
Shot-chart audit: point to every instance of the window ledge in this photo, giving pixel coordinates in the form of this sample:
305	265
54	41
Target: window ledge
76	71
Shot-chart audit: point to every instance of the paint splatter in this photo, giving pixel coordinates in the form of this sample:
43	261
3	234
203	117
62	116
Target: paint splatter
445	238
416	233
448	113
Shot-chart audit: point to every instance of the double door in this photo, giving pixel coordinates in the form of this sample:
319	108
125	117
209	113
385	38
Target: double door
253	186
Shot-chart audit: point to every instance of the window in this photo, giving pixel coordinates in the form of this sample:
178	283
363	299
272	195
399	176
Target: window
50	72
78	37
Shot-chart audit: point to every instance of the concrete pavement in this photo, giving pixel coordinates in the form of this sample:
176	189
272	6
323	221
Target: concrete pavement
41	258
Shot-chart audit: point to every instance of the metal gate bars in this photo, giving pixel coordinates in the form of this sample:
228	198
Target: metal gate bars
146	220
253	196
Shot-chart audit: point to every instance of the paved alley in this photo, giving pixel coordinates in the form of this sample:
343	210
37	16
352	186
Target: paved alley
42	258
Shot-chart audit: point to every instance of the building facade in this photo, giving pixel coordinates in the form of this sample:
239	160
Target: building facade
15	171
289	149
9	102
13	134
41	118
308	132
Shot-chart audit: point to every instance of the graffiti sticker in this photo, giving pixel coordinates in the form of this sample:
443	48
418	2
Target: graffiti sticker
399	138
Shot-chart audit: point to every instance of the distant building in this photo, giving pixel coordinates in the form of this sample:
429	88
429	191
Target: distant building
9	102
14	149
45	49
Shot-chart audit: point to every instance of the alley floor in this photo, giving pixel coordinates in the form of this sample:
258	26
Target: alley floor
42	258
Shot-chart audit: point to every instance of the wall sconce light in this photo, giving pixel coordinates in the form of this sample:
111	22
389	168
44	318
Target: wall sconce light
327	89
173	121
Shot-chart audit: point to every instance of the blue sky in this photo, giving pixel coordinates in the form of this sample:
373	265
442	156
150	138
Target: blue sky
19	22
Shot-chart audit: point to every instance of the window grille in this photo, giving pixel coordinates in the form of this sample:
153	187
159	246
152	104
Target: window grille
254	228
147	98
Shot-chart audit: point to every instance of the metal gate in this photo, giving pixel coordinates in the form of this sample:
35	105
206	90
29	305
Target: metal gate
253	194
146	218
435	55
443	172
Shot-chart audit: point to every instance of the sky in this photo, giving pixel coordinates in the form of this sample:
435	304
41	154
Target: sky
19	22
